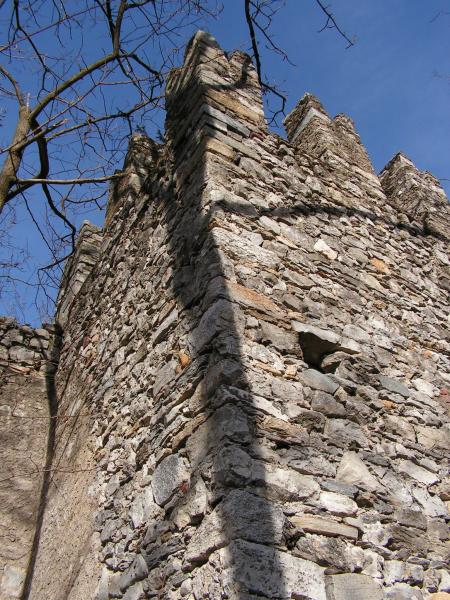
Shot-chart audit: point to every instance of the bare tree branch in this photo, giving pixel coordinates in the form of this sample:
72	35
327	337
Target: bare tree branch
252	22
331	23
77	181
17	90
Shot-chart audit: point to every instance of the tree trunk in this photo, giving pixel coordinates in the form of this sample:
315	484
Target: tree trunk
11	165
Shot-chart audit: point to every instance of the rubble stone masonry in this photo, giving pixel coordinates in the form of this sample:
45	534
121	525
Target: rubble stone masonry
254	377
25	423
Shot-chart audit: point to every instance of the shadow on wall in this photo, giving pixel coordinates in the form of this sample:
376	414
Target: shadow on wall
225	451
50	371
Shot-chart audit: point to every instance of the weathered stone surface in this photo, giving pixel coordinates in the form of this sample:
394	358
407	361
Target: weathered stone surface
396	570
12	581
285	484
318	381
403	591
283	431
248	568
168	477
314	524
353	587
356	333
338	504
433	438
396	424
353	470
412	518
335	552
228	422
135	592
280	338
345	433
233	466
193	507
78	268
392	385
137	571
417	472
432	506
326	404
217	317
239	516
322	247
143	508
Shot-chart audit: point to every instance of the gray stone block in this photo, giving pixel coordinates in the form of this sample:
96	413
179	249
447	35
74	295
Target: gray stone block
168	477
353	586
318	381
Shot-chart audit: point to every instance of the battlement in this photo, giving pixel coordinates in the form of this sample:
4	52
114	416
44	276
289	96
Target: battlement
77	268
417	195
255	367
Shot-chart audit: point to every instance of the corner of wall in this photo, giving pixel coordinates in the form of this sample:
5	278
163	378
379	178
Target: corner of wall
77	268
213	103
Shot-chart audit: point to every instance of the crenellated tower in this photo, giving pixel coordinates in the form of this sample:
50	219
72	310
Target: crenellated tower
254	374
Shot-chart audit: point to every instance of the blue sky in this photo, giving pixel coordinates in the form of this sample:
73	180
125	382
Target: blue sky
394	83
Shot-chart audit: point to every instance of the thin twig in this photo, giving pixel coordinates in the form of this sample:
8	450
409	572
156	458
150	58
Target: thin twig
331	23
77	181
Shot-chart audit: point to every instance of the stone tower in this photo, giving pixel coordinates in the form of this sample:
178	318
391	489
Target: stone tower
252	393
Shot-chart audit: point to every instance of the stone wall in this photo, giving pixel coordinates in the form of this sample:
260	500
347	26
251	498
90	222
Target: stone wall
77	268
24	425
253	383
